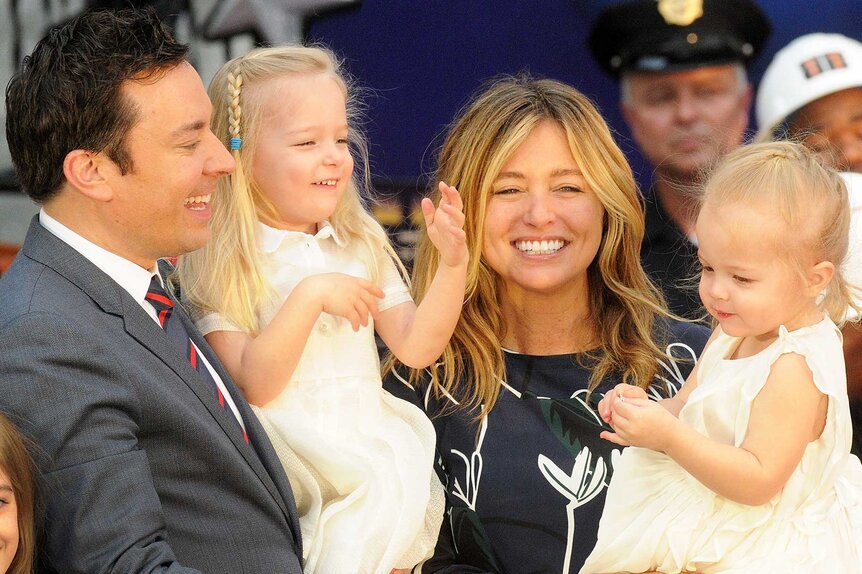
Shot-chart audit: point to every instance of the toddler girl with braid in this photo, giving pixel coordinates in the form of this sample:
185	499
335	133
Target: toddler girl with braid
289	292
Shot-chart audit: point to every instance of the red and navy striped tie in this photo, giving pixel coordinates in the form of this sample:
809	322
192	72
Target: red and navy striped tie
173	326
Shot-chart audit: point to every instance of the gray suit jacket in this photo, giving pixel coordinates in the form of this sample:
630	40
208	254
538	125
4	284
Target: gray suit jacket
142	470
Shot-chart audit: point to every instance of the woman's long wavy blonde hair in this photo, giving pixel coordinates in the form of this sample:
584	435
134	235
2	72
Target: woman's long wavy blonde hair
225	276
623	302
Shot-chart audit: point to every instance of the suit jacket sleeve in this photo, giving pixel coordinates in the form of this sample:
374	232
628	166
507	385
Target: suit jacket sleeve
103	512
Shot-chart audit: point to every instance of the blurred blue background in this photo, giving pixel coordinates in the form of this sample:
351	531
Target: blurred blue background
423	59
419	60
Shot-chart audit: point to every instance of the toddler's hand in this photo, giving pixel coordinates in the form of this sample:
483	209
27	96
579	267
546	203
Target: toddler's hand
345	296
611	397
445	226
640	422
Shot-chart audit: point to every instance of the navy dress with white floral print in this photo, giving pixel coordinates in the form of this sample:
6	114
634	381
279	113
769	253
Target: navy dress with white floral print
526	485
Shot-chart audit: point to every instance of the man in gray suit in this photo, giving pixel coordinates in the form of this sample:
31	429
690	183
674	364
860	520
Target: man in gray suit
150	458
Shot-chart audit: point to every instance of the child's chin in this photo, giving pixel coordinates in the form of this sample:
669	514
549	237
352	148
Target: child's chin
731	327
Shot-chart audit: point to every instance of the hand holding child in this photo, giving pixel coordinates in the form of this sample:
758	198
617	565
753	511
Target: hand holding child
445	226
344	296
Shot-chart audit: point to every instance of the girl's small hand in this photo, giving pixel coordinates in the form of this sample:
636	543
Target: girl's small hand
345	296
445	226
621	390
641	422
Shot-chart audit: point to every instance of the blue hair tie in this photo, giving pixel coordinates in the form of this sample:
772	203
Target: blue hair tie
235	144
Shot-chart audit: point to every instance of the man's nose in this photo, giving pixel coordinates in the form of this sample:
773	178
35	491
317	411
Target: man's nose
220	161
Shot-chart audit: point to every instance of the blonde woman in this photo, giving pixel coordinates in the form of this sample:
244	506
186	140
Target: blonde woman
557	311
289	293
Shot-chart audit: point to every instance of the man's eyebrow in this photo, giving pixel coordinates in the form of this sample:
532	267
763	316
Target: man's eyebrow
189	127
822	127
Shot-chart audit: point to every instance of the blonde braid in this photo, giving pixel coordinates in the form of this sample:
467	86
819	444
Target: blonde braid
234	112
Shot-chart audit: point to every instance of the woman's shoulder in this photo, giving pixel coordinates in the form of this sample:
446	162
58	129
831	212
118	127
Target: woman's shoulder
671	334
406	384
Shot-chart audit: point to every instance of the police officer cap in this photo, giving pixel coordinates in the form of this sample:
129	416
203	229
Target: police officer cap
669	35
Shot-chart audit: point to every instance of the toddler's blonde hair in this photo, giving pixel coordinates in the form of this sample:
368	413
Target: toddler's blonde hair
809	197
226	276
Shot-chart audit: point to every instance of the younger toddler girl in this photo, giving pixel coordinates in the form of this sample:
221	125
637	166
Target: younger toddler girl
747	469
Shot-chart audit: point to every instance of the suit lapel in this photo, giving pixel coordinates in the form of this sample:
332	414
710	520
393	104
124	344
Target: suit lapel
142	328
42	246
261	456
265	462
272	468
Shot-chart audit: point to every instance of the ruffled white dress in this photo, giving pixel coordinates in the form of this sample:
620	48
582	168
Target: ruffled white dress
658	517
359	460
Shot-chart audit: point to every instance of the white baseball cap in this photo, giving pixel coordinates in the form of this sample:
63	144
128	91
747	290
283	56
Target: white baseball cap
808	68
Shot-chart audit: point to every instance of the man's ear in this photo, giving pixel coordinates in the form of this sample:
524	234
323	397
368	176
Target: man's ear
744	105
819	277
86	171
628	113
748	97
632	119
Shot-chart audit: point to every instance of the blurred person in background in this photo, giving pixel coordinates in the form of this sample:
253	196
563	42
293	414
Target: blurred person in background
685	94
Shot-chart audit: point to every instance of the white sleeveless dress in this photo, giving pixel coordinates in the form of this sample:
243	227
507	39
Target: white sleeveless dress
359	460
658	517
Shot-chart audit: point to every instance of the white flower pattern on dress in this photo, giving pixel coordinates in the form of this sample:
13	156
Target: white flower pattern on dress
581	486
586	482
473	471
674	378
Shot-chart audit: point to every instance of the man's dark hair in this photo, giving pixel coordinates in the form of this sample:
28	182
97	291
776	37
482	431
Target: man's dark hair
67	94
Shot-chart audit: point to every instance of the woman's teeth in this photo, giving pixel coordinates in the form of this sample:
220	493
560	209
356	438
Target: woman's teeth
197	201
540	247
327	182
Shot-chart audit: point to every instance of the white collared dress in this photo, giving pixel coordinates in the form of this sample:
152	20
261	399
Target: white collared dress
659	517
359	460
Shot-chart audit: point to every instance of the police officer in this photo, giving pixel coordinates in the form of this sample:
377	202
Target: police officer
685	95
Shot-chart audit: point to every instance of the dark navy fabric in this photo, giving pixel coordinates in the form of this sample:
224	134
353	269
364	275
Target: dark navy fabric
525	486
